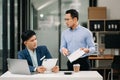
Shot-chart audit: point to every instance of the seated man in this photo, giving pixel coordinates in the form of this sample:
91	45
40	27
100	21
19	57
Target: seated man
34	54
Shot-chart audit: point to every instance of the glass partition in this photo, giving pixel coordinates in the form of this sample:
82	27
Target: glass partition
46	22
82	7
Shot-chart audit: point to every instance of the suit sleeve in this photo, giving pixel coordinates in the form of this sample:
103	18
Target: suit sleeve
46	52
22	56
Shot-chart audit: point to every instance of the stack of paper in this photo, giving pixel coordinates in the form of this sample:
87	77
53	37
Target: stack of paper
75	55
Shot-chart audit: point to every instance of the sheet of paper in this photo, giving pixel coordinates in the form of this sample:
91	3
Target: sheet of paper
49	63
75	55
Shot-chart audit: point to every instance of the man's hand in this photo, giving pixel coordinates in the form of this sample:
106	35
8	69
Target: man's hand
55	69
41	69
65	51
86	50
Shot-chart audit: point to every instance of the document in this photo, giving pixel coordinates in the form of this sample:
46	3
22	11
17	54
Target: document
49	63
75	55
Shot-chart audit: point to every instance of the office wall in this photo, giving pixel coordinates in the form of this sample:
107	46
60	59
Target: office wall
113	8
113	12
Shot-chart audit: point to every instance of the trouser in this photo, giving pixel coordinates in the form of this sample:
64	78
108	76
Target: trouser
84	64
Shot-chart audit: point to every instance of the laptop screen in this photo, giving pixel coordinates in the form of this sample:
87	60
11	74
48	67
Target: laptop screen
18	66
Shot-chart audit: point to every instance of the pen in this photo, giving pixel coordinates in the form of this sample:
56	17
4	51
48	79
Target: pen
42	58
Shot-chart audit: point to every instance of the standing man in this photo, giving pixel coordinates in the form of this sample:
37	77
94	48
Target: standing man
34	54
76	37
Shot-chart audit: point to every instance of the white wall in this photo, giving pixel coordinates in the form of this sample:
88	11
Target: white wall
113	8
113	12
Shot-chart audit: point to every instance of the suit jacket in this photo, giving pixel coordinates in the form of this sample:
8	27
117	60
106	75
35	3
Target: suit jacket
41	51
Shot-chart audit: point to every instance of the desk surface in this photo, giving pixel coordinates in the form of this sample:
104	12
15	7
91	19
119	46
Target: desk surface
104	57
82	75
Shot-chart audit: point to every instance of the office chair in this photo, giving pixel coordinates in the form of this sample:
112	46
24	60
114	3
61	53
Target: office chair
115	68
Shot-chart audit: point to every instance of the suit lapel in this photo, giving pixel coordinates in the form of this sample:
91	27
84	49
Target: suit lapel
40	56
28	57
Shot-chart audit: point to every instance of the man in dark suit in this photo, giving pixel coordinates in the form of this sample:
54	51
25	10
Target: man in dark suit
34	54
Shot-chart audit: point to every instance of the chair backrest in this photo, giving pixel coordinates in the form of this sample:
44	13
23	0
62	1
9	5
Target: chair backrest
116	62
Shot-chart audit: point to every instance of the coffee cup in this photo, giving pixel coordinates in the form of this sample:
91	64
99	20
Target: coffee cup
76	67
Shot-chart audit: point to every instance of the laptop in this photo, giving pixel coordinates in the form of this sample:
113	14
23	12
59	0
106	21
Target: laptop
18	66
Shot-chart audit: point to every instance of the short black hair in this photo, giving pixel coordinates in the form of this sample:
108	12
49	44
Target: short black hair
73	13
27	35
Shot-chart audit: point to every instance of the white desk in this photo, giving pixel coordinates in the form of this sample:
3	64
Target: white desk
82	75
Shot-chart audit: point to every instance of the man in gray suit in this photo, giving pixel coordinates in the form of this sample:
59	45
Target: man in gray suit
34	54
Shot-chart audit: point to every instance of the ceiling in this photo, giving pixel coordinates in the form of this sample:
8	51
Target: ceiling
46	3
45	6
51	7
48	6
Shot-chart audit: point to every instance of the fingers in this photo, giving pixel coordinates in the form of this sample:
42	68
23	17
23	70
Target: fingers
86	50
41	69
65	51
55	69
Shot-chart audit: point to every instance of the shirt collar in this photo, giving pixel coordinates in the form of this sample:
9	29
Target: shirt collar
31	50
78	27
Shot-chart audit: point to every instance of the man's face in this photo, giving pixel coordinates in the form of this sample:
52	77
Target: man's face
31	43
69	20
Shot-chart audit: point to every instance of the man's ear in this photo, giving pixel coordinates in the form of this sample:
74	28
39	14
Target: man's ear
25	42
76	19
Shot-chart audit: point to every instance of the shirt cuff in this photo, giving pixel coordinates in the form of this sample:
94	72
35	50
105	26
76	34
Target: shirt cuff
35	69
